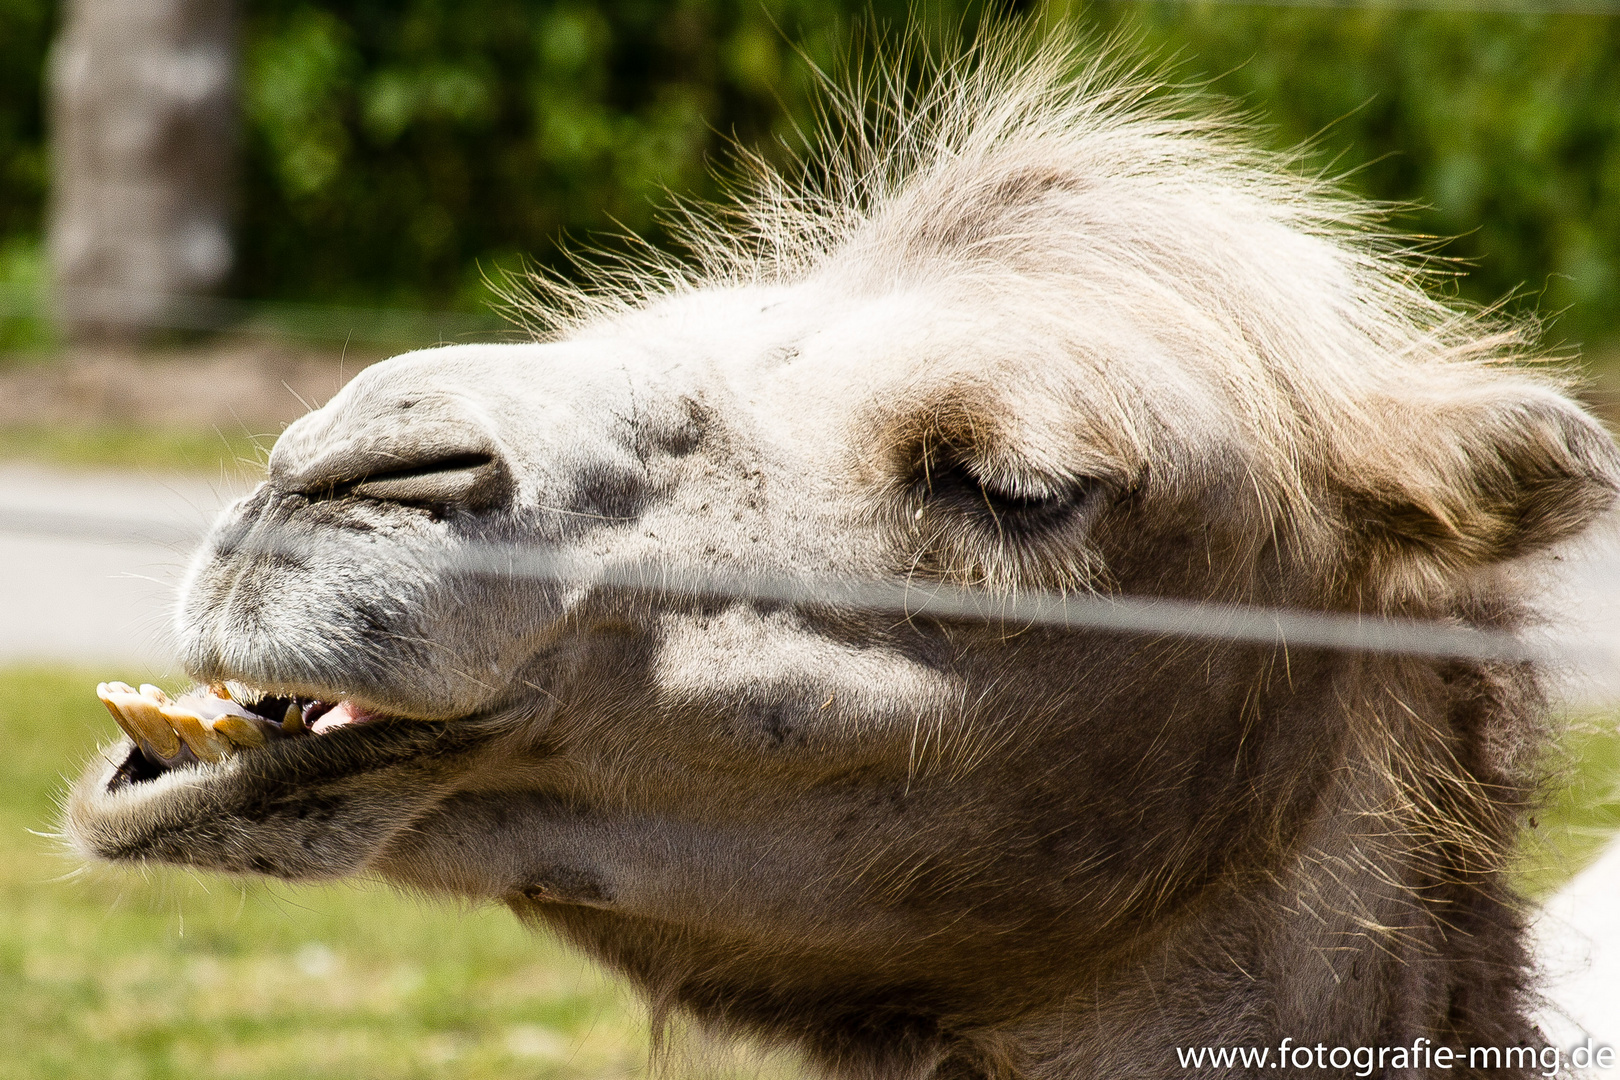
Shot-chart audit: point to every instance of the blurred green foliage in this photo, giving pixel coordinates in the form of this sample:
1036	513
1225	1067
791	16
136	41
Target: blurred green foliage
25	29
1504	129
1581	816
396	150
24	327
144	448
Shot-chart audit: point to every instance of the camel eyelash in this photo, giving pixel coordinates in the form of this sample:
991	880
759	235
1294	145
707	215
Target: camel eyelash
947	483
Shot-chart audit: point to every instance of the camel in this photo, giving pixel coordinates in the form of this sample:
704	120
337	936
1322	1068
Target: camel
1023	333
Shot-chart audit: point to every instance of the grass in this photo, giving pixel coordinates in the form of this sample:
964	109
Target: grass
136	447
129	977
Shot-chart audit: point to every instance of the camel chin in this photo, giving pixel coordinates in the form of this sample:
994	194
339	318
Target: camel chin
1073	345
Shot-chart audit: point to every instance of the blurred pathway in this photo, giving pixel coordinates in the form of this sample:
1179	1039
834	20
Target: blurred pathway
90	563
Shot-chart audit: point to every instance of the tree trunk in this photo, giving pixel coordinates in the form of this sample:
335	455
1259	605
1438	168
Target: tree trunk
142	108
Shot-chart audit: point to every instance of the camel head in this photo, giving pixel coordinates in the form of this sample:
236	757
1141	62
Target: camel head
1065	345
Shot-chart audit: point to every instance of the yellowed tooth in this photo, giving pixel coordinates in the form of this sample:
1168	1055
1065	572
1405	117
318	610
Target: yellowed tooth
155	693
239	731
189	726
292	721
109	698
150	727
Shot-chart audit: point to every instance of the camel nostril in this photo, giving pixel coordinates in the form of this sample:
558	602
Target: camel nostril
476	480
426	472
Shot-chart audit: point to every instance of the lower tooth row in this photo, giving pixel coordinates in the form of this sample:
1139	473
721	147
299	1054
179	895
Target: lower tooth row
210	728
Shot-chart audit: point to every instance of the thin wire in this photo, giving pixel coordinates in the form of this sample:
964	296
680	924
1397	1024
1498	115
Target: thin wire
1123	614
1153	616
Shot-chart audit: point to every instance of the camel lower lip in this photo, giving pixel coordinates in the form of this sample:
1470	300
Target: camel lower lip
212	724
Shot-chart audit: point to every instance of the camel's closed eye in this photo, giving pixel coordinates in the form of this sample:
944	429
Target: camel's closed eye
1015	506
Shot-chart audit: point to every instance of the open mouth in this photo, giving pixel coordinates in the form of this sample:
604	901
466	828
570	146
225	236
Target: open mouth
212	723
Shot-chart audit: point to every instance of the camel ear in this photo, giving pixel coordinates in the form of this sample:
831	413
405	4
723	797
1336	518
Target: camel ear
1464	482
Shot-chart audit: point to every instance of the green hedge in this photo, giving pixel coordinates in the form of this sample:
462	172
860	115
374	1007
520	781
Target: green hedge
1504	129
396	149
